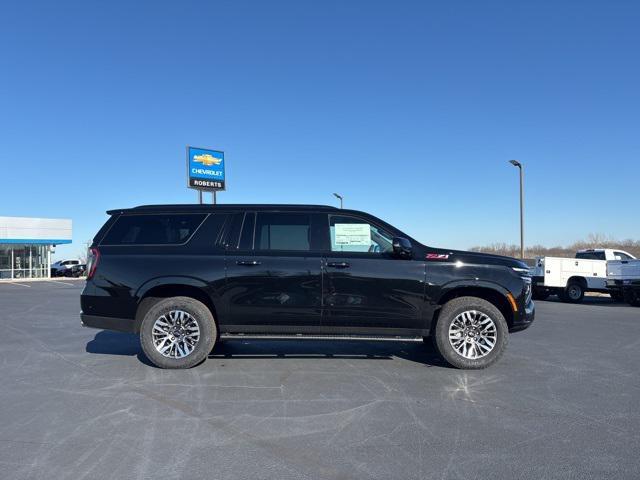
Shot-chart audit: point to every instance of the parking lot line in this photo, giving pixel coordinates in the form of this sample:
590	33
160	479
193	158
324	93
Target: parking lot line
15	283
58	281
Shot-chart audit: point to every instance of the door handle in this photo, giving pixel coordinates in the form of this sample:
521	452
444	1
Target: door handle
248	263
338	265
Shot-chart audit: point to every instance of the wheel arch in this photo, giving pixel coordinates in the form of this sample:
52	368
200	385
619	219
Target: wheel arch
494	294
149	294
580	280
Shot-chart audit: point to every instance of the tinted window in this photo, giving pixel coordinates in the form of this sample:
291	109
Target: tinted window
591	255
282	231
210	232
161	229
621	256
232	231
353	234
246	237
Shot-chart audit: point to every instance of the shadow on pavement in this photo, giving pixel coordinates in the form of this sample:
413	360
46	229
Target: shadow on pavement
588	300
417	352
107	342
116	343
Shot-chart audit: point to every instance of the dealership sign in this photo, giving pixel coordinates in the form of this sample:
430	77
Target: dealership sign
205	169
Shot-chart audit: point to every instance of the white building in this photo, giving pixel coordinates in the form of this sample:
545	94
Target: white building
25	245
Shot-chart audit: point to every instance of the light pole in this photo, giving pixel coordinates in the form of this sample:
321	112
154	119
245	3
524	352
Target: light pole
339	197
516	163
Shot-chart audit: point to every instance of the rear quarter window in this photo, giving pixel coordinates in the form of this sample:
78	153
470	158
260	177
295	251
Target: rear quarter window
590	255
156	229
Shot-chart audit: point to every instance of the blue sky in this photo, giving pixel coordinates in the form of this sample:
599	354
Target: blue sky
411	110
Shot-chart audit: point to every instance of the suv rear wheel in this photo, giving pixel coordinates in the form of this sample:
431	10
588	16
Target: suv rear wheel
471	333
177	332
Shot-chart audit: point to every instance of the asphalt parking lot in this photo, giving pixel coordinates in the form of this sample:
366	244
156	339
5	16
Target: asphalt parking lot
80	403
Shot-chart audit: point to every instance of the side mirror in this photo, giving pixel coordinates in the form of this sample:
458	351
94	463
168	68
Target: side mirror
402	247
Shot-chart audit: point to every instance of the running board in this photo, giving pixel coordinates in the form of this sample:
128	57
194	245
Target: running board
303	336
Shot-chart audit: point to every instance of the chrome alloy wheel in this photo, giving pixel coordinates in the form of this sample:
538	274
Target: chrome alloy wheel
175	334
473	334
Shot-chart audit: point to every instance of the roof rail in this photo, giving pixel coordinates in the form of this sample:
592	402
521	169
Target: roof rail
183	207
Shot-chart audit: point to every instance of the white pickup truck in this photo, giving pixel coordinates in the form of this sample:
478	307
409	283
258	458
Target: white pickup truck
623	280
570	278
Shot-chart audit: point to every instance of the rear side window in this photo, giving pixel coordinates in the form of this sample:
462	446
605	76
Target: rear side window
160	229
283	231
590	255
248	226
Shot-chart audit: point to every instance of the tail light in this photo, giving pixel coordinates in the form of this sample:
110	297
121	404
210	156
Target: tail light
93	258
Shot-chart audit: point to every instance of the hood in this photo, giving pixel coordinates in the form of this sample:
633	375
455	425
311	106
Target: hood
474	258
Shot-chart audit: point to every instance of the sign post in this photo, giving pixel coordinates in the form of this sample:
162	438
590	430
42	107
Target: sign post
205	170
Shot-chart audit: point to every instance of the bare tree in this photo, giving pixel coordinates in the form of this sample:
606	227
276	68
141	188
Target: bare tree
82	255
593	240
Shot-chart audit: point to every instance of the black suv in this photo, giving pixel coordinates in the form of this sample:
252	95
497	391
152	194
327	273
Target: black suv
182	276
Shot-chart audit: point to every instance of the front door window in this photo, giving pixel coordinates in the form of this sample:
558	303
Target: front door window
352	234
364	285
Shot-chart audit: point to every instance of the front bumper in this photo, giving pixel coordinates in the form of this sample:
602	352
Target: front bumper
524	319
108	323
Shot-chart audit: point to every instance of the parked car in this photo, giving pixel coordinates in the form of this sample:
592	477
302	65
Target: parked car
61	268
184	276
570	278
623	280
76	271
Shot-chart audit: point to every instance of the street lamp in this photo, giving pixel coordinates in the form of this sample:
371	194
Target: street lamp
339	197
516	163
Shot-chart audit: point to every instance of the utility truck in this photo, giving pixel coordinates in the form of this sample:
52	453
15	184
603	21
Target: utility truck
571	278
623	280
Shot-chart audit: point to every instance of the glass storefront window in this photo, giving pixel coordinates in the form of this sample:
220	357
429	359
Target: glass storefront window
39	265
24	261
5	261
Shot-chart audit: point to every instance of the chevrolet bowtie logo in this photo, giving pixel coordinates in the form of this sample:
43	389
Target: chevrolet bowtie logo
207	159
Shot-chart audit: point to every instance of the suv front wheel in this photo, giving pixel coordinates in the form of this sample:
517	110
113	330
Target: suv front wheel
471	333
177	332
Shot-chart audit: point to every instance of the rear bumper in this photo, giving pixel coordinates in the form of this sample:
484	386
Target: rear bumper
623	286
108	323
615	285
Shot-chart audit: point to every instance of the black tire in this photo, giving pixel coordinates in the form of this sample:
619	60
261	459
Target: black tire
573	293
449	312
632	297
540	294
616	296
200	313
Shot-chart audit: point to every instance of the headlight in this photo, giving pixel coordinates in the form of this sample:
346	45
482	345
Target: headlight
526	279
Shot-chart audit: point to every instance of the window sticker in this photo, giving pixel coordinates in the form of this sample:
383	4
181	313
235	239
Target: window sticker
353	234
